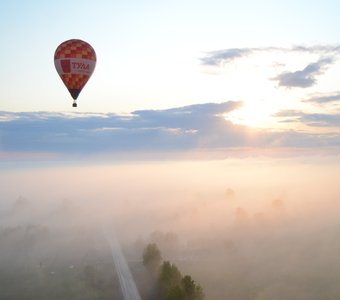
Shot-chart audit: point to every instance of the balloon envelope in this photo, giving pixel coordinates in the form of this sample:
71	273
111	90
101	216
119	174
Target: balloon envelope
75	61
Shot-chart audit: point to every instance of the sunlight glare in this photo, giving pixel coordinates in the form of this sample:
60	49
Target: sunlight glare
257	114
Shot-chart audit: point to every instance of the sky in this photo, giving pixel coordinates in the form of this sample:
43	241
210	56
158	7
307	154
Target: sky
247	73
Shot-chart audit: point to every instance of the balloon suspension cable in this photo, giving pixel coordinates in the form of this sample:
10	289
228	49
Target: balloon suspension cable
74	103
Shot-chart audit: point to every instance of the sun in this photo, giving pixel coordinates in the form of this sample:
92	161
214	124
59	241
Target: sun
256	114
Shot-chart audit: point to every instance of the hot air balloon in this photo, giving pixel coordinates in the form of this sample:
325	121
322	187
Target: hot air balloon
75	61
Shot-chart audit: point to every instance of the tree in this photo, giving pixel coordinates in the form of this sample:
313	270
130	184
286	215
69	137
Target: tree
176	293
170	283
152	258
169	278
192	290
189	286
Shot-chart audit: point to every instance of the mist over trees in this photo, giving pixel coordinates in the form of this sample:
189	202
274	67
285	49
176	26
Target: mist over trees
52	257
152	258
170	283
256	230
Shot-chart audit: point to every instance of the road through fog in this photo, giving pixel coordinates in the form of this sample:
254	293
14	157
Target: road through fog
127	283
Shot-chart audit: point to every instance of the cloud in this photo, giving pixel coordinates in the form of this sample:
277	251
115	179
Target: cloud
218	57
288	113
215	58
321	120
188	128
317	49
177	128
310	119
325	98
306	77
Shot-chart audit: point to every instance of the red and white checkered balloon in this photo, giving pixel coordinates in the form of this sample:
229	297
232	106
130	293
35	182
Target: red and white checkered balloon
75	61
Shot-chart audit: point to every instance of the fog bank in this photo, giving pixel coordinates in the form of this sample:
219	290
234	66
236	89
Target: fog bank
252	228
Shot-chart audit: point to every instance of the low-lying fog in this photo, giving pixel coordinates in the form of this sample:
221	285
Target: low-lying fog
242	228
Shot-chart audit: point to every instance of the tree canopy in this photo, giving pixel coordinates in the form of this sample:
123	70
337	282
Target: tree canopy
172	285
152	258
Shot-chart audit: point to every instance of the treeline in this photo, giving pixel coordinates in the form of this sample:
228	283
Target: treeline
170	283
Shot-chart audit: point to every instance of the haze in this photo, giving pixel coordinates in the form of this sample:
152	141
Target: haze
244	228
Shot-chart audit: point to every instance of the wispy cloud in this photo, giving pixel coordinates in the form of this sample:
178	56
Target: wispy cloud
288	113
215	58
310	119
326	55
218	57
324	98
321	120
317	49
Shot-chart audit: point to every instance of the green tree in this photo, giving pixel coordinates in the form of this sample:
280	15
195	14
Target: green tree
169	278
170	283
176	293
152	258
192	290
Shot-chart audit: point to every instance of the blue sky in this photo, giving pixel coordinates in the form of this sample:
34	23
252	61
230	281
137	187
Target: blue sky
278	59
148	52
